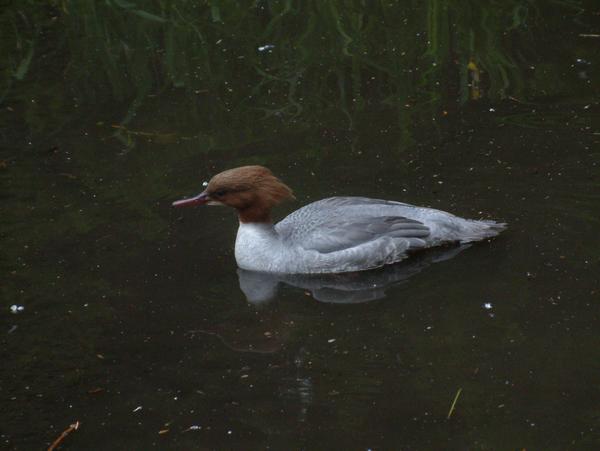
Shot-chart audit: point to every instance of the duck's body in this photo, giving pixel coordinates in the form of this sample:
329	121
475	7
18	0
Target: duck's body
343	234
334	235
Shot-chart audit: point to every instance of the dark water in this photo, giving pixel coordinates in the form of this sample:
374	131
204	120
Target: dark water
135	321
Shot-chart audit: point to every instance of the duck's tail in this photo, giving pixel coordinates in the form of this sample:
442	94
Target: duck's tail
477	230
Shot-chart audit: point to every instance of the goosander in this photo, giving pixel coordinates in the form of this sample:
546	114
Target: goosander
333	235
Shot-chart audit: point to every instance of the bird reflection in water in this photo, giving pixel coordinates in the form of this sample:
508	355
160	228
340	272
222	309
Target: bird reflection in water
346	288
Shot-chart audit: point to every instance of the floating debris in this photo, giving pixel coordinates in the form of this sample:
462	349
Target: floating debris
487	305
16	308
61	437
137	409
267	47
454	403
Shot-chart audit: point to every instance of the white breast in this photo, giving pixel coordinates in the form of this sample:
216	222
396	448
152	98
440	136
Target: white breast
258	247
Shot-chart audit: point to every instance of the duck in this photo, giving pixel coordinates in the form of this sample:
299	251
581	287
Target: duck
339	234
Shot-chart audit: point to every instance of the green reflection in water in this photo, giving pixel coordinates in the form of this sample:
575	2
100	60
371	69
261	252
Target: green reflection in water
309	62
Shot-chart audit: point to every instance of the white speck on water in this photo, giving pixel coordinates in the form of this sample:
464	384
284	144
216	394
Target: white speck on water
16	308
331	340
492	110
264	48
137	409
487	306
204	183
229	432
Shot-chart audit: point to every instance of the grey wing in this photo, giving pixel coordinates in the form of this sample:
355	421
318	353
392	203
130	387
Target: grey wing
338	234
338	223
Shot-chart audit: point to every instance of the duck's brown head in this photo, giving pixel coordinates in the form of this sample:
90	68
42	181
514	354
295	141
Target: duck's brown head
252	190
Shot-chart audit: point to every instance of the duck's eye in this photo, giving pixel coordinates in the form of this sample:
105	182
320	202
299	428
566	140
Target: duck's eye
219	193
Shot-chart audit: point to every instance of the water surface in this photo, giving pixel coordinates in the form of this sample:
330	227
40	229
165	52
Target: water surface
135	319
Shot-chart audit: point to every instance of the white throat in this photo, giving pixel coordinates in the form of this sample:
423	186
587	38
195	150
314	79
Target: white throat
257	247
